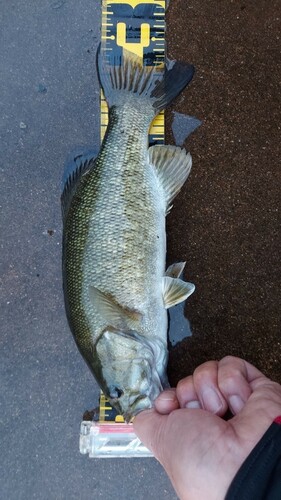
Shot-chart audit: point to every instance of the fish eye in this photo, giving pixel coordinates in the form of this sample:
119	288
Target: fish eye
115	393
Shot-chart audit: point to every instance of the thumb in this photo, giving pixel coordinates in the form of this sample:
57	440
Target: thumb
148	426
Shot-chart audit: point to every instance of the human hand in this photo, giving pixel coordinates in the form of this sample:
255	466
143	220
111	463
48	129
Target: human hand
200	451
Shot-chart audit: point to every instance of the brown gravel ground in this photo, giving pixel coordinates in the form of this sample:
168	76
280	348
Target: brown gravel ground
226	220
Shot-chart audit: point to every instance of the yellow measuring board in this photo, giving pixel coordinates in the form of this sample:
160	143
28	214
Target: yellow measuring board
107	413
139	27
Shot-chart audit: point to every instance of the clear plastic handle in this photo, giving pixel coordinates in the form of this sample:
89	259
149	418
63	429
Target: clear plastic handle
110	440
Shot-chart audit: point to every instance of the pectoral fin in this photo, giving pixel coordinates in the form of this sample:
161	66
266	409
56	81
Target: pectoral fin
114	314
175	291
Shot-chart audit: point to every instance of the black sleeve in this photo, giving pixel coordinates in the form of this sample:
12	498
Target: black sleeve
259	477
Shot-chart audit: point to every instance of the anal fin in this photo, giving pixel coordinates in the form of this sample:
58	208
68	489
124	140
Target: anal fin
172	165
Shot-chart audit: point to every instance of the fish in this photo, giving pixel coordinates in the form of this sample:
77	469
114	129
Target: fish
114	206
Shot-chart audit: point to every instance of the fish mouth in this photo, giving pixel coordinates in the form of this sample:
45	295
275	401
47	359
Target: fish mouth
132	403
132	371
141	403
130	406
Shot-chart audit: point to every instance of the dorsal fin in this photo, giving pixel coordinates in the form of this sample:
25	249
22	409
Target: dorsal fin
74	171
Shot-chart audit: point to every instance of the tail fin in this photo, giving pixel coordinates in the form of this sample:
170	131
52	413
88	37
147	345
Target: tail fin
124	76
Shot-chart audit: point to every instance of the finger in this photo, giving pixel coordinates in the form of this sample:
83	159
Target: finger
205	379
167	401
186	393
260	398
262	407
148	426
201	390
235	378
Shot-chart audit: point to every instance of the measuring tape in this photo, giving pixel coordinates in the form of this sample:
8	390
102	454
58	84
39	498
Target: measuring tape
139	27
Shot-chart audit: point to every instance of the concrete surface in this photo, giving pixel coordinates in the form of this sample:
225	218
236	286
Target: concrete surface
225	223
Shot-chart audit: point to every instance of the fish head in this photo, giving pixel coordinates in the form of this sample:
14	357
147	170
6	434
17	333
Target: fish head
128	373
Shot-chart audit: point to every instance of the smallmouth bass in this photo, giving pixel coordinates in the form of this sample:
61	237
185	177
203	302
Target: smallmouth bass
114	239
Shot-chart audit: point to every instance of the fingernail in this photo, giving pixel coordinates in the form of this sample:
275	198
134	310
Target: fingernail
211	400
167	396
166	402
193	404
235	403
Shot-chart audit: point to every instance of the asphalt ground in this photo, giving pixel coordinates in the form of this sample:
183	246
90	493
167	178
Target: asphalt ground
225	224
